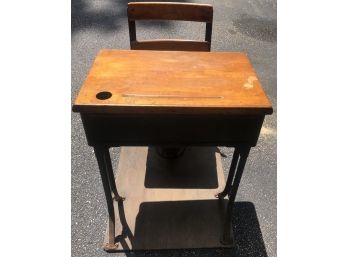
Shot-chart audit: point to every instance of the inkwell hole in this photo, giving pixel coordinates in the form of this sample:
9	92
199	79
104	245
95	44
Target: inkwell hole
103	95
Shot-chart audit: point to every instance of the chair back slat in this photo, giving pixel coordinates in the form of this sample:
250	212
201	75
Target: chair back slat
170	11
171	45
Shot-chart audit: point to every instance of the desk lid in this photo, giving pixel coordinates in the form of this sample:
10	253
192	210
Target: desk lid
129	81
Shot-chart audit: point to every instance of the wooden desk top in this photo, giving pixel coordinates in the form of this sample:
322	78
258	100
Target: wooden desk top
172	82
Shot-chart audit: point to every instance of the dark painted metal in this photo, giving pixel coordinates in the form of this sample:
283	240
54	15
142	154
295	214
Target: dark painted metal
100	153
244	153
228	237
231	173
111	177
103	131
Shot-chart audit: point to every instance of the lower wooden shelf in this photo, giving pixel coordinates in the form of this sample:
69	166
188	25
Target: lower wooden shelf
169	204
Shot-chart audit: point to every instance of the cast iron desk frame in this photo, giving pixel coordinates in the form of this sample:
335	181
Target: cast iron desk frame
105	131
195	128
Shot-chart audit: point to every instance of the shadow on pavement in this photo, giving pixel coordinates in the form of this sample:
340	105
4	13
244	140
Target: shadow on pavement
196	168
246	230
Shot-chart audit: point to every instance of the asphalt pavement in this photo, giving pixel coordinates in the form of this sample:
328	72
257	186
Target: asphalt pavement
239	25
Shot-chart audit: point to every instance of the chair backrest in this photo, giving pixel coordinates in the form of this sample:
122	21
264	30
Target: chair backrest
170	11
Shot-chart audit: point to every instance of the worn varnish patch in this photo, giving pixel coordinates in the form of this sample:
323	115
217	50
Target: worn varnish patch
250	82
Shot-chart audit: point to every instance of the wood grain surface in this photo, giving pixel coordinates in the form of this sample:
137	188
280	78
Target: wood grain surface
172	82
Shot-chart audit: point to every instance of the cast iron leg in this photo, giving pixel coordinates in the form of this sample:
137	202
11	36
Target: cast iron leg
103	157
228	229
230	175
111	177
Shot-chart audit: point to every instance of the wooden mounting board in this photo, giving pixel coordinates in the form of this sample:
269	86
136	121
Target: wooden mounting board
169	204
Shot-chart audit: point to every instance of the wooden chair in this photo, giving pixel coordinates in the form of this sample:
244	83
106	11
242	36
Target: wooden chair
170	11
